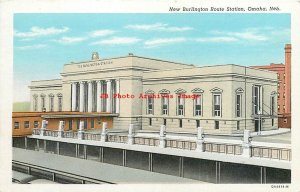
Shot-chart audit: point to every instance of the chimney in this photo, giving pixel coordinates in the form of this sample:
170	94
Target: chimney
288	55
95	56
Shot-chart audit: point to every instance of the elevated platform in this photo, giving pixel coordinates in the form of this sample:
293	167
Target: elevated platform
90	169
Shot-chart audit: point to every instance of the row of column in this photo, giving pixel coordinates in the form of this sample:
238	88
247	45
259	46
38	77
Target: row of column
109	99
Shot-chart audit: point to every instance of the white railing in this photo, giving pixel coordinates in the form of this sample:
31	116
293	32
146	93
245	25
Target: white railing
257	149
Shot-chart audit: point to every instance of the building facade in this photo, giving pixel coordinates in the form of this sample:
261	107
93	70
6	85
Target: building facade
284	87
149	92
23	123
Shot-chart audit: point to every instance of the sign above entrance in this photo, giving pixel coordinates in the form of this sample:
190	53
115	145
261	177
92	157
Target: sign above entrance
95	64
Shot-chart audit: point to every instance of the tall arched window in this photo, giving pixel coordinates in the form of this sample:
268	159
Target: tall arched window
238	102
165	94
198	101
60	97
180	102
43	106
51	102
217	102
150	102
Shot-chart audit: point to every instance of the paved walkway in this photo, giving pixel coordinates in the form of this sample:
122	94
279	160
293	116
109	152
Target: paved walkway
95	170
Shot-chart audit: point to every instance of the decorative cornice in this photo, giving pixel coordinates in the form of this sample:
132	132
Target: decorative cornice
149	92
274	93
197	90
164	91
216	90
59	94
178	91
239	90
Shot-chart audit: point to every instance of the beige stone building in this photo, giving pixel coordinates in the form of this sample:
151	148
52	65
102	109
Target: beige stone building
150	92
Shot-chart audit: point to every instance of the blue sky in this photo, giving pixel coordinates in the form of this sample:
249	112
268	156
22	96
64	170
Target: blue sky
44	42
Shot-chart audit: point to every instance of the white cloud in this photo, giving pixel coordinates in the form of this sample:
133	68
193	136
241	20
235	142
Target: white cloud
38	31
30	47
163	41
158	27
101	33
69	40
117	41
216	39
248	34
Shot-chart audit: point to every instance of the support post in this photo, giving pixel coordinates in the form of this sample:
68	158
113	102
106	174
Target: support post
109	99
246	144
162	136
25	144
81	96
99	99
61	128
130	135
117	99
74	91
57	148
90	96
104	132
200	140
80	131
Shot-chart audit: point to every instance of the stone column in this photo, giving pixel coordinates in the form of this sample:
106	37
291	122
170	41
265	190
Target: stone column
104	132
81	98
81	130
109	99
117	99
90	96
200	140
74	96
130	135
162	136
61	129
44	127
99	100
246	144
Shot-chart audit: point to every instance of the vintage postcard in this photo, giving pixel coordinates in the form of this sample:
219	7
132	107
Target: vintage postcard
149	95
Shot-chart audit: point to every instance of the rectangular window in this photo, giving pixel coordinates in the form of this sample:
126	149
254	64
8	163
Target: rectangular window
180	123
92	123
16	125
26	124
150	121
70	124
217	105
197	123
217	125
59	103
238	105
165	122
198	106
43	103
180	105
238	125
51	103
35	124
257	99
272	105
150	105
165	105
